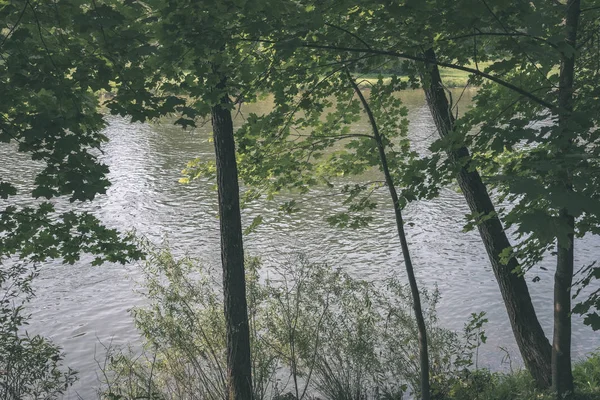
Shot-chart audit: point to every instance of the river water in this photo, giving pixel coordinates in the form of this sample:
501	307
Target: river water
83	308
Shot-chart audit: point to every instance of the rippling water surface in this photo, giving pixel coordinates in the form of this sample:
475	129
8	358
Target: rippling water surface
82	307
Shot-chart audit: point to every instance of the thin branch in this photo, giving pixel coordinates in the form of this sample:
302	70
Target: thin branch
590	9
350	135
391	53
15	25
39	26
308	93
314	358
508	107
349	33
510	34
513	40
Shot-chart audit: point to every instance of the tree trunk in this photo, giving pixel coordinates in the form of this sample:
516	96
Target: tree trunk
423	351
533	344
562	376
239	378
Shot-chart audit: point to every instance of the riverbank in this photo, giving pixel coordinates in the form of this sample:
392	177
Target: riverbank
452	78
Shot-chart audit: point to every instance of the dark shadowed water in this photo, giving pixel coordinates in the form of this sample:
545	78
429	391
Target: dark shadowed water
82	306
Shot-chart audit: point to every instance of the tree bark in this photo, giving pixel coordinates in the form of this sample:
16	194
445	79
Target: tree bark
529	335
562	376
239	375
414	289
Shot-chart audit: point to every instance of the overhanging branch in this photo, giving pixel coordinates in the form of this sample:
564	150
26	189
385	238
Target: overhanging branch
396	54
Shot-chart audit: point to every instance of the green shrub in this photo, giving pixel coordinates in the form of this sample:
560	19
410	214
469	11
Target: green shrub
519	385
587	377
30	366
315	332
184	329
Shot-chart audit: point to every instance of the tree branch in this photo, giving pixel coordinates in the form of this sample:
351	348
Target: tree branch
590	9
509	34
392	53
15	26
349	33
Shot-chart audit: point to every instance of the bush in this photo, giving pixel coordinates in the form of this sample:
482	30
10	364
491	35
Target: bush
316	332
519	385
184	328
30	366
587	377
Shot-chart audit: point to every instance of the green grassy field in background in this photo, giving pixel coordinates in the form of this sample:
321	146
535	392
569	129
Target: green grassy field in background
451	77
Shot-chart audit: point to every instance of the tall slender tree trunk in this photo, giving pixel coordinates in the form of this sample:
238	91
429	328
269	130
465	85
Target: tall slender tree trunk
562	376
239	377
414	289
531	340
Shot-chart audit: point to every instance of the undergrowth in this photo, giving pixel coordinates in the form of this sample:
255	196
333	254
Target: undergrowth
519	385
316	333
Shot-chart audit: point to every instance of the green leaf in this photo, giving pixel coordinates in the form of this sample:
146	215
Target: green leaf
6	189
253	225
592	320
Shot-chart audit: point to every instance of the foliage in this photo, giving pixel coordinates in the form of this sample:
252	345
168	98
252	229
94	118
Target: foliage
184	330
30	366
162	57
542	167
513	50
587	305
518	385
587	375
49	71
311	140
315	331
48	74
